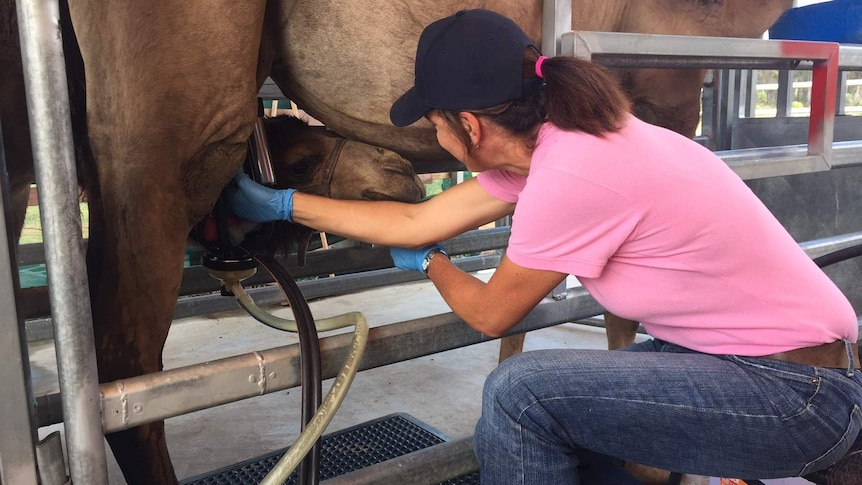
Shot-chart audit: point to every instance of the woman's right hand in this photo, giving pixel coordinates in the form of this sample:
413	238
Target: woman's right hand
412	259
257	203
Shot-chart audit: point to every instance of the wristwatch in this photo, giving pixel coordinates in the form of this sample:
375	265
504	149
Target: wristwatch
428	257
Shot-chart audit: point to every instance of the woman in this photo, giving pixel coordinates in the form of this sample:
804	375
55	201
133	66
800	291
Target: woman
750	372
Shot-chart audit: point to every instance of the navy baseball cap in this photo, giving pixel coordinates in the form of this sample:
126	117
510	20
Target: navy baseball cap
470	60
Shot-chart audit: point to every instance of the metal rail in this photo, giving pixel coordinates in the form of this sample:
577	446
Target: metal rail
850	58
820	247
358	268
624	50
556	20
848	153
152	397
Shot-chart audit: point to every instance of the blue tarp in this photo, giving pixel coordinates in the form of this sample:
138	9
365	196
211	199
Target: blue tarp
835	21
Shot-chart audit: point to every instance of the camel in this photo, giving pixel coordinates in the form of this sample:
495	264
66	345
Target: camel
163	101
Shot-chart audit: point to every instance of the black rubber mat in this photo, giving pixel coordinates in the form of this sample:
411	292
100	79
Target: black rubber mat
343	452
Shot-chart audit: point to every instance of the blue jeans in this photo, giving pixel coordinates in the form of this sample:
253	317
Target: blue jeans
572	416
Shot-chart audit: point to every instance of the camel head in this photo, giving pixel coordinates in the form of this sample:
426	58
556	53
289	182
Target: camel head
318	161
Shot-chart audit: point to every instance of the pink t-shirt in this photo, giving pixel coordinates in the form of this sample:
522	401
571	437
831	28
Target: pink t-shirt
660	230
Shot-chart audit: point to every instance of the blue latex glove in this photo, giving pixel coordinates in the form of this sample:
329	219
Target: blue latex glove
258	203
411	259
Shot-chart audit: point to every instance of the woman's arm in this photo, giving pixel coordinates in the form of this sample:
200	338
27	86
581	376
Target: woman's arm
463	207
494	307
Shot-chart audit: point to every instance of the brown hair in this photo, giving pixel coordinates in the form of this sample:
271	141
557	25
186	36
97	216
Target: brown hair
576	95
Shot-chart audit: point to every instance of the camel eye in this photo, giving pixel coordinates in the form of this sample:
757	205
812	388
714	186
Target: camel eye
303	166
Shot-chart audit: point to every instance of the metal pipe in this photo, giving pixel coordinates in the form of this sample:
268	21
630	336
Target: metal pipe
846	153
556	19
784	97
17	455
755	163
662	50
261	162
850	57
53	154
434	464
52	466
823	247
622	61
724	102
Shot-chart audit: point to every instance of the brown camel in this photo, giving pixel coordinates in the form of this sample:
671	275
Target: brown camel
170	103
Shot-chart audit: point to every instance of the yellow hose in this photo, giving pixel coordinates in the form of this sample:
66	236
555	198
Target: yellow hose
309	436
281	471
245	300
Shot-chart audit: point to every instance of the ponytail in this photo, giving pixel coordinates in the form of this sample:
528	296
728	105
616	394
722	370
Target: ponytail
581	95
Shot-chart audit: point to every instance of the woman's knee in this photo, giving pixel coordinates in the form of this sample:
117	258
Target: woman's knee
502	401
508	382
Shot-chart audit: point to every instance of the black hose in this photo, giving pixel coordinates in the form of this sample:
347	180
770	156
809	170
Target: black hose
838	256
310	364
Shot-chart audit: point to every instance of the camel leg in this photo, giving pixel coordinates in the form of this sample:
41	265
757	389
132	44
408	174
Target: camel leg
170	104
14	123
140	220
138	236
20	194
511	345
20	171
135	271
648	475
620	332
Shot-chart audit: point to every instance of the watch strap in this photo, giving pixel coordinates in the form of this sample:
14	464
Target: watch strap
426	263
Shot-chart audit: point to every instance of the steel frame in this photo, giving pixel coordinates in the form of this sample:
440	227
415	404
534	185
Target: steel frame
624	50
732	88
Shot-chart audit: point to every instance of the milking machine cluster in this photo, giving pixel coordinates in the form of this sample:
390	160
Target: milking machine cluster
232	257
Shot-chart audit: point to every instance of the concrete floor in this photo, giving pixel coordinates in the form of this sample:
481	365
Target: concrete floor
442	390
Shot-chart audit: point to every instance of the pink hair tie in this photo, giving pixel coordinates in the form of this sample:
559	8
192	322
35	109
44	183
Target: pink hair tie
539	63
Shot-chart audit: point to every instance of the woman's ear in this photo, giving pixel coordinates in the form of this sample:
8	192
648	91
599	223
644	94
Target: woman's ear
472	126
